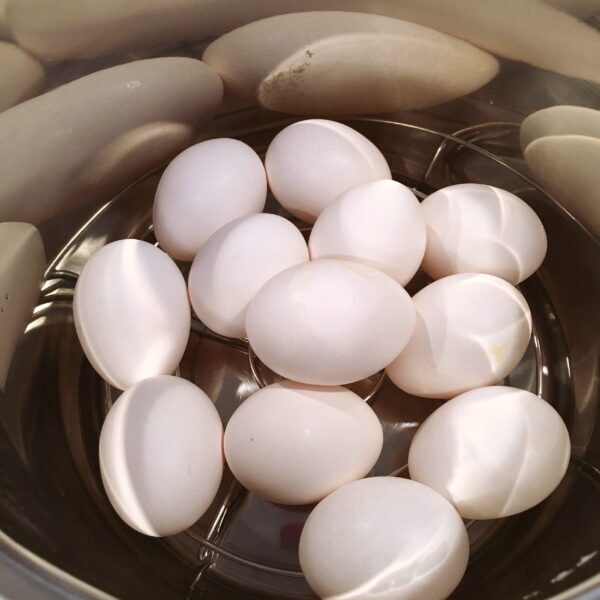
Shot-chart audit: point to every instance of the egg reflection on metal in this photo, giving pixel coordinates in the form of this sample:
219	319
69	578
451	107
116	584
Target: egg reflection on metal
329	322
161	455
205	187
311	162
471	330
378	223
131	312
492	452
386	538
474	228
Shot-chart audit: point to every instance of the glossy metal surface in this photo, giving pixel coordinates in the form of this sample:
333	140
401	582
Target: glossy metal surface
51	498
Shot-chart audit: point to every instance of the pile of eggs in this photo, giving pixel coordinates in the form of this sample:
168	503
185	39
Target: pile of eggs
322	315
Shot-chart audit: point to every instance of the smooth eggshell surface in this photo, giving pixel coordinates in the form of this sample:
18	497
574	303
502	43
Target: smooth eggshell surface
161	455
475	228
492	452
378	223
471	330
311	162
386	538
294	443
329	322
235	263
205	187
131	312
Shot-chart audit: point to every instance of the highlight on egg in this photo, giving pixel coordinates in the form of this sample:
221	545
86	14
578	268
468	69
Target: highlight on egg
132	313
161	456
476	228
492	452
205	187
311	162
384	537
294	443
378	223
471	331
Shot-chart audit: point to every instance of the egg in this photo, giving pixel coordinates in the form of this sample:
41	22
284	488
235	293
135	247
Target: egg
294	443
311	162
471	330
378	223
492	452
131	312
384	538
161	456
235	263
203	188
475	228
329	322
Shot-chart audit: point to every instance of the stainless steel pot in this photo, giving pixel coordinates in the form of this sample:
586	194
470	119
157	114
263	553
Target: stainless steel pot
59	536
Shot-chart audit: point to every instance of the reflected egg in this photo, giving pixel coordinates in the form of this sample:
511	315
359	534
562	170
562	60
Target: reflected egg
492	452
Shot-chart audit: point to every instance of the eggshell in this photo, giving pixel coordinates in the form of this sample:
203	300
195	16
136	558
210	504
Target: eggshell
475	228
384	538
131	312
161	455
205	187
75	157
294	443
471	330
329	322
378	223
235	263
567	167
492	452
22	264
21	76
333	63
560	120
311	162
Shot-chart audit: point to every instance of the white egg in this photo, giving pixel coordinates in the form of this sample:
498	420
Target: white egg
492	452
294	443
475	228
378	223
384	538
311	162
235	263
329	322
472	330
132	312
161	455
203	188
